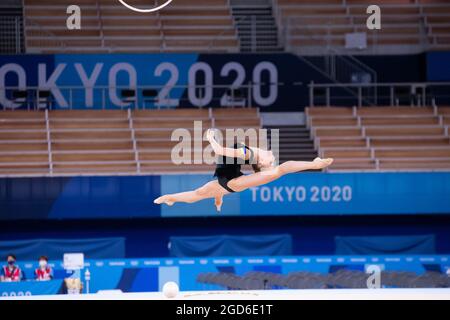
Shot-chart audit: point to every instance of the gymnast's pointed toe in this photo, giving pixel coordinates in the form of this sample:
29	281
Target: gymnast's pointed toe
159	200
163	200
322	163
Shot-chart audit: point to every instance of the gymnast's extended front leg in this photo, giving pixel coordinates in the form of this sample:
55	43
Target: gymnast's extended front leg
297	166
261	178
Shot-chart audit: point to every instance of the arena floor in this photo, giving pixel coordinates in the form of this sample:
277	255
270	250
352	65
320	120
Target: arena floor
341	294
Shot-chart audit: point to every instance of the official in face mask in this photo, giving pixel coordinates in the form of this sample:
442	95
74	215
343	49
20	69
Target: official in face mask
43	272
11	271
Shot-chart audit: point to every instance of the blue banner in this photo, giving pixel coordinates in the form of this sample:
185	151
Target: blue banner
298	194
225	245
30	288
324	194
100	78
93	248
369	245
98	81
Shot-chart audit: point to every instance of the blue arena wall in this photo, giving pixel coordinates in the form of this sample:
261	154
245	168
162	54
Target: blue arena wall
149	275
315	194
311	235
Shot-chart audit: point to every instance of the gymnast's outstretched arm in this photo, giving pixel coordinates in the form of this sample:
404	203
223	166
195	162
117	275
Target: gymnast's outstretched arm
223	151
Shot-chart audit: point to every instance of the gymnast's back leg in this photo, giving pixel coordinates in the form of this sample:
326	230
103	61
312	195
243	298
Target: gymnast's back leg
211	189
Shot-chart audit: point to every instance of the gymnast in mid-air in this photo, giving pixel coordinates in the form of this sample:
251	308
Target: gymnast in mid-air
230	179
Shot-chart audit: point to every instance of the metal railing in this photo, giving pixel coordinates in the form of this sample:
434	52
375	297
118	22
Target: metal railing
392	94
49	142
137	97
100	22
133	139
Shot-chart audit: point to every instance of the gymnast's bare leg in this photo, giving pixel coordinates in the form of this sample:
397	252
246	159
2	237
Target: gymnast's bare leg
271	174
213	190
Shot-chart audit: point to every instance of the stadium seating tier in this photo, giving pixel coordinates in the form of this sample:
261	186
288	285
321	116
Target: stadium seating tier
106	141
382	138
107	26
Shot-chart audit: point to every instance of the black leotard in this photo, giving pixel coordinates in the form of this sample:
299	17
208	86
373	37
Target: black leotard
230	168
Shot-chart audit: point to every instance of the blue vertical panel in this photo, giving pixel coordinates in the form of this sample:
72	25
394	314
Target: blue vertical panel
438	66
168	274
146	280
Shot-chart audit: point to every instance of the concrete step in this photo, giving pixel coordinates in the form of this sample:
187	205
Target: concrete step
297	151
293	156
294	135
295	143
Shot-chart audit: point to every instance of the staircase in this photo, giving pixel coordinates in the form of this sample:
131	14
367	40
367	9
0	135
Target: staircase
256	25
295	143
11	28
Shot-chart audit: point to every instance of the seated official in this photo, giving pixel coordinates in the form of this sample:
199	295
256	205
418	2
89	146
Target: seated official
11	272
43	272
